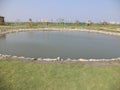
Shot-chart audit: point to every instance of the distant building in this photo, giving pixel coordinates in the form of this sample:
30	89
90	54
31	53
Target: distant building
114	23
2	20
44	21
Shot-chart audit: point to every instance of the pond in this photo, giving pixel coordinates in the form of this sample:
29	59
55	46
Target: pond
52	44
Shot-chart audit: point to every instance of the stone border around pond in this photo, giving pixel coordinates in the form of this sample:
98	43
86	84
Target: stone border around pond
3	32
3	57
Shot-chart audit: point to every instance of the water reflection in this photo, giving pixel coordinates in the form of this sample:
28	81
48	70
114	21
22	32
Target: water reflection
3	36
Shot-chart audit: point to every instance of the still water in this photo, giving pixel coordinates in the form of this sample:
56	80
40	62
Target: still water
52	44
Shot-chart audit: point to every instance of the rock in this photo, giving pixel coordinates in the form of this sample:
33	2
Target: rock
21	57
29	58
61	60
7	56
14	57
74	60
47	59
58	59
82	60
39	59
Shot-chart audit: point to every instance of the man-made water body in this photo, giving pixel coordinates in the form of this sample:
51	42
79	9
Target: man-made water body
52	44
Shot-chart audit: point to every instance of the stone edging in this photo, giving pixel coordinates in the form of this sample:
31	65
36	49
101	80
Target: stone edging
58	29
2	57
58	58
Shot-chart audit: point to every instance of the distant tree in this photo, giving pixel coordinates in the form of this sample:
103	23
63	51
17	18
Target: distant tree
60	20
88	23
30	22
47	22
2	22
104	22
77	22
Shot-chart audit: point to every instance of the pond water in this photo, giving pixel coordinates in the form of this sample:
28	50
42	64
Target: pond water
52	44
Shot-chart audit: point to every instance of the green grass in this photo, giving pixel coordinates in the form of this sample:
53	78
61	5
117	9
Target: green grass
17	75
25	25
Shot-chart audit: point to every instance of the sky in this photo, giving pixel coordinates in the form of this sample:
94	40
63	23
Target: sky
70	10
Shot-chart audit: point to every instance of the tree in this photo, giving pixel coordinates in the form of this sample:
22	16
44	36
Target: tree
88	23
60	20
2	22
77	22
104	22
30	22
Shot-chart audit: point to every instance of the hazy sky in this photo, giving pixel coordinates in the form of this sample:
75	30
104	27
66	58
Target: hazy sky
82	10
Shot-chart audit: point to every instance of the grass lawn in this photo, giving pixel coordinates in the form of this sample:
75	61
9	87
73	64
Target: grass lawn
25	25
18	75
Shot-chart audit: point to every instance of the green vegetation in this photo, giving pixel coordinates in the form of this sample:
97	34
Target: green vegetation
31	24
1	17
18	75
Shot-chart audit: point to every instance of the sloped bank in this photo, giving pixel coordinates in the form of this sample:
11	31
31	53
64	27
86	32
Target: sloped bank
58	60
53	59
3	32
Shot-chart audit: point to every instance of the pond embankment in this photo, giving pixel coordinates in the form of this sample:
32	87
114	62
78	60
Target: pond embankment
59	29
58	60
